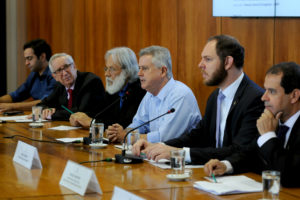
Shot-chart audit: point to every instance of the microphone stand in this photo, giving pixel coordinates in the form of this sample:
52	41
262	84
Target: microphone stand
87	140
131	159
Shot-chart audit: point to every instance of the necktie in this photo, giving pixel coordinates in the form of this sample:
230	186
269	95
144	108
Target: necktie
70	91
221	97
281	132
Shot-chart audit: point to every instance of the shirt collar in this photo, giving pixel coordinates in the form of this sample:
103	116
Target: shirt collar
123	91
230	91
291	121
45	73
72	87
166	89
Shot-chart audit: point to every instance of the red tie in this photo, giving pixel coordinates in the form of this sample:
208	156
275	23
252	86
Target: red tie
70	91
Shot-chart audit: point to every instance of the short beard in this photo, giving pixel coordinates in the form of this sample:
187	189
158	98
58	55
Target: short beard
113	86
37	67
218	76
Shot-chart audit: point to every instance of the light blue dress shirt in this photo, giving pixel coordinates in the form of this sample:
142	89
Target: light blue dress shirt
173	95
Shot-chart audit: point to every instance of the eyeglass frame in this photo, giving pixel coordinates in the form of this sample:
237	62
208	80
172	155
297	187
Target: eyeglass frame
112	69
64	68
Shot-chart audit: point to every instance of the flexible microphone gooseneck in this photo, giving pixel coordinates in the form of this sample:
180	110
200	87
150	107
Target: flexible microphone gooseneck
130	159
87	140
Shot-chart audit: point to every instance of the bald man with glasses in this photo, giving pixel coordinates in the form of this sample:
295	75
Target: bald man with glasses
77	91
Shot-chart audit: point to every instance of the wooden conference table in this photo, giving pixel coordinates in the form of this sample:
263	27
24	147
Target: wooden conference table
144	180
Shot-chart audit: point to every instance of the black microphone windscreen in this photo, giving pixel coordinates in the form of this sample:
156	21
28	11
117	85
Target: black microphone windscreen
172	110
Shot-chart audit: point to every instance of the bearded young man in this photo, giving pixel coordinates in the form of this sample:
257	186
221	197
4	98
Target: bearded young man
277	147
123	91
234	127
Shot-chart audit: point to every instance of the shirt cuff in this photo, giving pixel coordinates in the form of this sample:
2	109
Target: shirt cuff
229	168
265	137
187	154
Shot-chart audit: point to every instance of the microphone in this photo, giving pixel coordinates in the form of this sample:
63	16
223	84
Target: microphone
131	159
87	140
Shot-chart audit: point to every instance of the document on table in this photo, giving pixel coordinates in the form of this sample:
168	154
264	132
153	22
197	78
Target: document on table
63	128
69	140
20	118
229	185
165	164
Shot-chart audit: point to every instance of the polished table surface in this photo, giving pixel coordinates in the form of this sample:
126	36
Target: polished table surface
144	180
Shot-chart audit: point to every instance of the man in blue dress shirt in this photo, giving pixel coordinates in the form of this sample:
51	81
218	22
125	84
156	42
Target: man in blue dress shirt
39	83
163	93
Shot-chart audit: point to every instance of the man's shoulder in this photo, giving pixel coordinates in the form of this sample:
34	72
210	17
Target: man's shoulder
180	88
249	88
87	75
88	78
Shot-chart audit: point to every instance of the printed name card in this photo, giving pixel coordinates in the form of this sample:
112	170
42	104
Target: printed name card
120	193
27	156
79	179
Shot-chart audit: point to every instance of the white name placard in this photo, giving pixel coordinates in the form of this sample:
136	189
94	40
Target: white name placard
79	179
120	193
27	156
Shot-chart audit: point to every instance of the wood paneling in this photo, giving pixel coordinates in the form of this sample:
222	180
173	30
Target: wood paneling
195	25
287	45
110	23
257	36
61	23
87	29
159	26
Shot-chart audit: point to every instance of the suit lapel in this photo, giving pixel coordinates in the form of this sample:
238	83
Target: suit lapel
239	93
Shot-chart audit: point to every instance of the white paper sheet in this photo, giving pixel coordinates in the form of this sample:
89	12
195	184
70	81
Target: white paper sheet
70	139
229	185
165	164
63	128
20	118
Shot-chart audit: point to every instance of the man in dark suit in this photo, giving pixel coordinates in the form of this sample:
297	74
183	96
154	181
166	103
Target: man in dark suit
221	65
77	91
123	91
277	147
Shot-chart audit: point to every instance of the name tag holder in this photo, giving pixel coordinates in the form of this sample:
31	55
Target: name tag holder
79	179
27	156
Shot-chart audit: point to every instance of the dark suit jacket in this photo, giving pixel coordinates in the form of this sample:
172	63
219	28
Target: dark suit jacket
124	115
88	92
240	128
286	160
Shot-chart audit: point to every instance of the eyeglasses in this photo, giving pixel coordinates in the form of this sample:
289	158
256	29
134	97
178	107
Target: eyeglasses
64	68
110	69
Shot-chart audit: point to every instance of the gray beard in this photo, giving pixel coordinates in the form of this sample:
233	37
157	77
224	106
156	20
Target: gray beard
113	86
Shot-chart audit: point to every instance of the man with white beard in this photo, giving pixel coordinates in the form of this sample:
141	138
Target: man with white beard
123	91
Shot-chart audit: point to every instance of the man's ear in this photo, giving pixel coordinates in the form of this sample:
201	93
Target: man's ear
295	96
164	70
228	62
